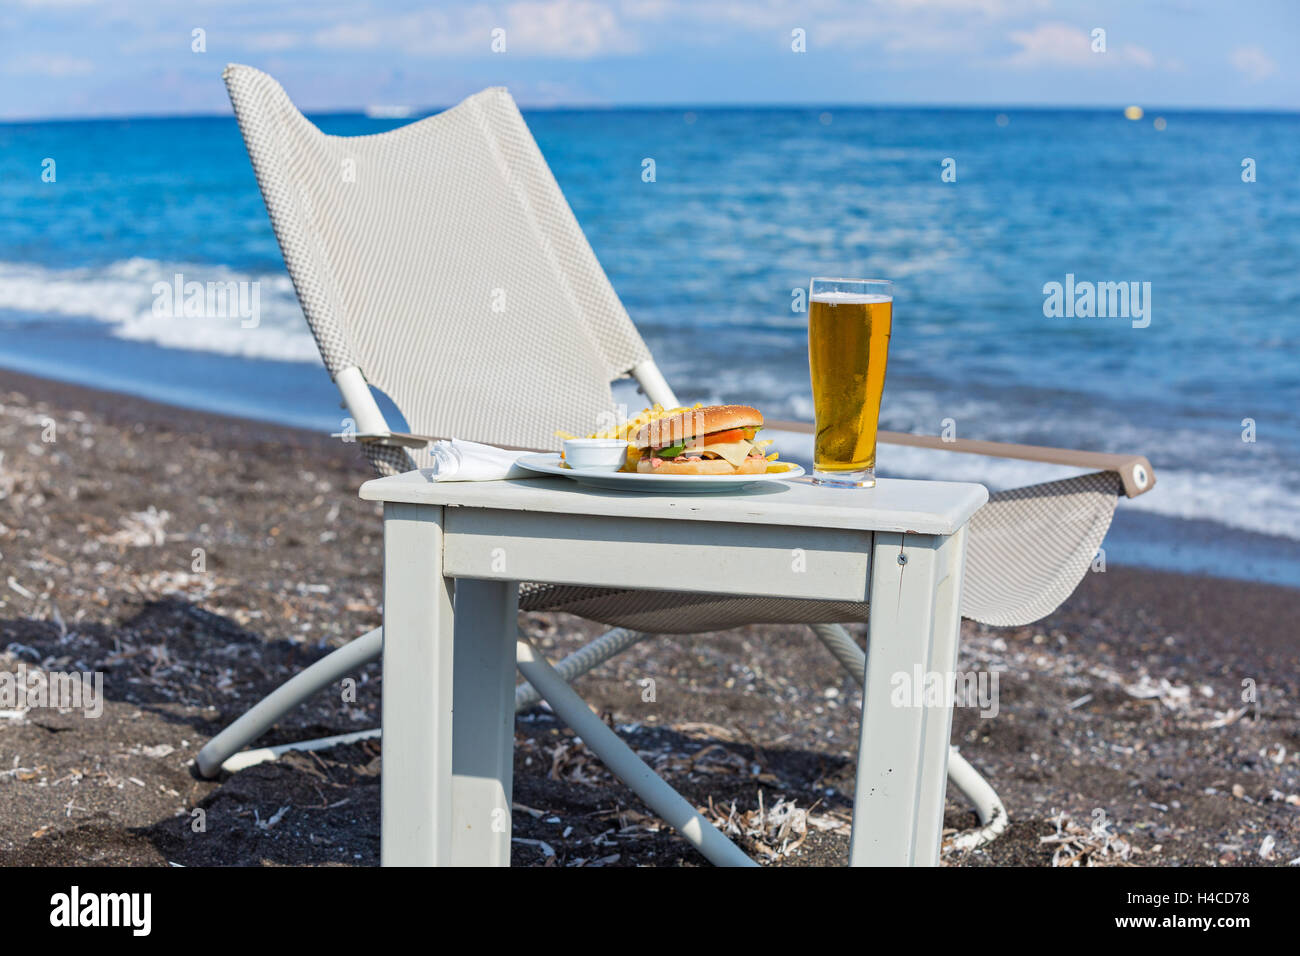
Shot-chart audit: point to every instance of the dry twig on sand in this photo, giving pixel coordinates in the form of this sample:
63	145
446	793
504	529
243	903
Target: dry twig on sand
1097	845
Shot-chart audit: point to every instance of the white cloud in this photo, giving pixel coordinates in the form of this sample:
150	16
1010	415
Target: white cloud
350	36
1253	62
1065	45
50	65
564	29
763	14
581	29
275	41
993	9
1138	56
892	25
929	41
547	93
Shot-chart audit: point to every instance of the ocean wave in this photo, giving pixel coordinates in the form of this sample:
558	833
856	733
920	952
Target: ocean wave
1253	490
1247	503
121	295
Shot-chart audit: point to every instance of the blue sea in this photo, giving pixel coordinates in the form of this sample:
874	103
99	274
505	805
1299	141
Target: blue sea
745	206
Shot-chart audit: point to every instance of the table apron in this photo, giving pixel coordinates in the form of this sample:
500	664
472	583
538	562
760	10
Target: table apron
701	556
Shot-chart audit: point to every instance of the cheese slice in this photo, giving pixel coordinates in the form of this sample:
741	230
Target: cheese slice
732	452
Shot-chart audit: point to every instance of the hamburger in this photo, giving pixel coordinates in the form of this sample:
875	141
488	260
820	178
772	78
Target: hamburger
713	440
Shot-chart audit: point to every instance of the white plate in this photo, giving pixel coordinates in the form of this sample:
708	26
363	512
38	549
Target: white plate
549	464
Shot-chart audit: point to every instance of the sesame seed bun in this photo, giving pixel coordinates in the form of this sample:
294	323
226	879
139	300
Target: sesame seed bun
696	423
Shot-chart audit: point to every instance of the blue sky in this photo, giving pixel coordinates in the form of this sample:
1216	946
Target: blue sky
78	58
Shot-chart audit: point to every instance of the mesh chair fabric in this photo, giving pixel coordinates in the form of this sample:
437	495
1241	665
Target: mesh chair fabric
399	245
442	259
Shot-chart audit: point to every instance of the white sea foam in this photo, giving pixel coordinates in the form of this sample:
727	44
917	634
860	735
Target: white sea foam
1250	496
121	296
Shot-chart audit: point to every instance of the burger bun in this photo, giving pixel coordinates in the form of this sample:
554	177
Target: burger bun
695	423
753	465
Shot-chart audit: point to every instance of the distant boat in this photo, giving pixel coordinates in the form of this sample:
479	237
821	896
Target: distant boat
380	111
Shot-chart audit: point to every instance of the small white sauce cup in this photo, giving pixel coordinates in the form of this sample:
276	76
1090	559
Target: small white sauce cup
595	454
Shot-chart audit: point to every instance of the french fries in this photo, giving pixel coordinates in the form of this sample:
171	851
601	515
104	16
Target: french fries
625	430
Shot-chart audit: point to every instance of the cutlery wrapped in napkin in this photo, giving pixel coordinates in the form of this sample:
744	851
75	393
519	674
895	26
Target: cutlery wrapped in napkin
459	460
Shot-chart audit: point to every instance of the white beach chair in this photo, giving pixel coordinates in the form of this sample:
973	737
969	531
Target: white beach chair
440	263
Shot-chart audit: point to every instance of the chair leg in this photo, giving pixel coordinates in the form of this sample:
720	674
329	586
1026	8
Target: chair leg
988	805
251	758
223	751
582	660
258	719
625	764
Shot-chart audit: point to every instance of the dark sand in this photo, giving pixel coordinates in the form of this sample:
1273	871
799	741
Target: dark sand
1124	703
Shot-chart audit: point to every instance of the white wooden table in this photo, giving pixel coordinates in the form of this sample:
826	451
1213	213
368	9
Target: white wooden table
447	778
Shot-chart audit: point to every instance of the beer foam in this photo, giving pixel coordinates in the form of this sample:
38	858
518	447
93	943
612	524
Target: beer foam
850	298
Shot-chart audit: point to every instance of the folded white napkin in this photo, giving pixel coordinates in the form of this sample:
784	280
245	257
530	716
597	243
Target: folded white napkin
458	460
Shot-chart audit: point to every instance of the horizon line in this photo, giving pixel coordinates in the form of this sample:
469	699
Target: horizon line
422	112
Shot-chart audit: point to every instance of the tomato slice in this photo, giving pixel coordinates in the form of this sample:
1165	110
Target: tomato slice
730	435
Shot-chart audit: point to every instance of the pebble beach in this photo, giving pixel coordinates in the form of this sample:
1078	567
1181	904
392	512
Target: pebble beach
197	561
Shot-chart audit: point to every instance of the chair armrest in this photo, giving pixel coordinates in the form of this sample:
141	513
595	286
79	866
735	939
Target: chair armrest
407	440
399	439
1135	472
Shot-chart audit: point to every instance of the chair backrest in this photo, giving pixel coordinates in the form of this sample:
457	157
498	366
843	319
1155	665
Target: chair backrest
442	260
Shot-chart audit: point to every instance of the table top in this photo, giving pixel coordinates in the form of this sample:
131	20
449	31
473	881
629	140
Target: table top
894	504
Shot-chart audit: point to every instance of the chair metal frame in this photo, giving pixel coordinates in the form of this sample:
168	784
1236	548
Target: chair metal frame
225	751
371	427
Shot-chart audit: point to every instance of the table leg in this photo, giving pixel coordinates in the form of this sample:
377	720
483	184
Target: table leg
415	789
903	746
483	734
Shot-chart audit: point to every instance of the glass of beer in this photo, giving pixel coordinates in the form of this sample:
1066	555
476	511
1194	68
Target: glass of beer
849	321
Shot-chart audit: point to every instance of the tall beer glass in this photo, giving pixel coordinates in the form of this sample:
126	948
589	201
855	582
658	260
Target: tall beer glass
849	321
